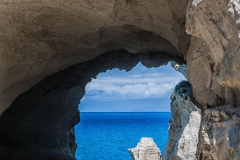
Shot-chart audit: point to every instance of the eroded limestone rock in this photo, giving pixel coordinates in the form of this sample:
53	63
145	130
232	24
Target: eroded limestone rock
46	114
146	149
213	55
184	126
213	70
220	139
39	38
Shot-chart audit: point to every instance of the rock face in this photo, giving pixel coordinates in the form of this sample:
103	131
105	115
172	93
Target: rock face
146	149
39	38
213	55
220	139
46	48
184	126
46	114
213	70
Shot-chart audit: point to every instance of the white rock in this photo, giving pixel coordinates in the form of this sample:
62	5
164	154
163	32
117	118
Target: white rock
207	140
184	128
146	149
188	142
207	136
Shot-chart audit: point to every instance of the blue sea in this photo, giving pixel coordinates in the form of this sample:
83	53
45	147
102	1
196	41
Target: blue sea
108	135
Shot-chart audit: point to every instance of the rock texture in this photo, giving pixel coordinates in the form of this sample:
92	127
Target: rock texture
220	137
184	126
39	38
213	70
146	149
45	115
43	43
213	55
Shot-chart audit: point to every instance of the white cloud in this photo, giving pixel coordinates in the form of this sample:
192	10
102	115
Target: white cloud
135	79
133	85
133	90
141	89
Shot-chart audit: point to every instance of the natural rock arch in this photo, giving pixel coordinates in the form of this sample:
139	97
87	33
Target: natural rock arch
38	39
43	37
45	115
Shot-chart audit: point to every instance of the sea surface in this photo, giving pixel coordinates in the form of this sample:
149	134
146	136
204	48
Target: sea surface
108	135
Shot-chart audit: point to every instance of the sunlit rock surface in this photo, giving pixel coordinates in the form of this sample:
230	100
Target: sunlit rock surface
146	149
213	55
213	70
184	126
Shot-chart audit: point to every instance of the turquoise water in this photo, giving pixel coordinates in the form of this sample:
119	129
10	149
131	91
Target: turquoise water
108	135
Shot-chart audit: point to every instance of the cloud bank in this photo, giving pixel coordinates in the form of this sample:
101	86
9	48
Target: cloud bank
128	91
139	90
136	84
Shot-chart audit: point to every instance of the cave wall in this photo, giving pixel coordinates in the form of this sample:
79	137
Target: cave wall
214	45
38	39
42	119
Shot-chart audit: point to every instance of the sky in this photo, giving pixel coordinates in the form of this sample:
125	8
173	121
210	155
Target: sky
140	90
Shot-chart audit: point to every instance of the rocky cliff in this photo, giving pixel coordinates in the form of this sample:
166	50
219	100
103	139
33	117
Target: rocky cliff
49	50
220	137
184	126
184	129
213	71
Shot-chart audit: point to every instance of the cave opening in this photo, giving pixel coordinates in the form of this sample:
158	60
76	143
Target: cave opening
40	122
119	108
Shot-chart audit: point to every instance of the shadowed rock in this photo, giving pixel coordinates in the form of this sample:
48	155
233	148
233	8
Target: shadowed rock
45	115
